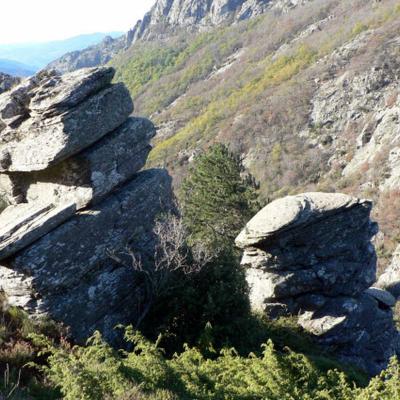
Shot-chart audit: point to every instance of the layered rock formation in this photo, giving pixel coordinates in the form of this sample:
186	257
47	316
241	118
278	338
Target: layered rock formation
311	255
69	160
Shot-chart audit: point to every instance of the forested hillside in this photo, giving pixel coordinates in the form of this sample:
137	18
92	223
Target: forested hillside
300	94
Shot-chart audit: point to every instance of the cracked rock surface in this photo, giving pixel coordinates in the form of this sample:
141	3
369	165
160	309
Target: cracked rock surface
311	255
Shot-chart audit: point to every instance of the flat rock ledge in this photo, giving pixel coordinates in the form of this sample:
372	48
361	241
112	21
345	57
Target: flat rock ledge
73	192
311	256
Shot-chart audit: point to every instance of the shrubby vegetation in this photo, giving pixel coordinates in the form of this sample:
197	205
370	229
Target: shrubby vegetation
98	372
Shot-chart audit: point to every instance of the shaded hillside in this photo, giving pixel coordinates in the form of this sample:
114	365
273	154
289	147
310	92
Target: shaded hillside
301	95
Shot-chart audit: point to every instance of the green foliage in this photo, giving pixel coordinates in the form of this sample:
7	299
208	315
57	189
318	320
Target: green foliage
153	61
217	200
16	350
97	372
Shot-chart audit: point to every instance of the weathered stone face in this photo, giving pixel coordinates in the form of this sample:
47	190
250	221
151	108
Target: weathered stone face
69	273
88	176
311	243
311	255
76	111
69	168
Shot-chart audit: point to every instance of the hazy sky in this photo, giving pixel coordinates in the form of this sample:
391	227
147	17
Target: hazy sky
44	20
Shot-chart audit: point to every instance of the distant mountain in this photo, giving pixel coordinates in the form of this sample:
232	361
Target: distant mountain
92	56
15	68
38	55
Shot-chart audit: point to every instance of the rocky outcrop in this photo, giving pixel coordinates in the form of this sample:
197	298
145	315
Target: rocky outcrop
7	82
366	103
169	15
311	255
69	172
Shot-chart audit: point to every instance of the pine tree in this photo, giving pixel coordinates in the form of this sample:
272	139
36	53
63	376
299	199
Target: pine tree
217	198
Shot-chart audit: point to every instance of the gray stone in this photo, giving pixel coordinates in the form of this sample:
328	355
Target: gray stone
38	143
390	279
69	169
69	275
59	93
382	296
311	255
294	211
7	82
88	176
21	225
361	332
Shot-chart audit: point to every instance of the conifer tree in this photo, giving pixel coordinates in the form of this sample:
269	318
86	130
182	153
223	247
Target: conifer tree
218	198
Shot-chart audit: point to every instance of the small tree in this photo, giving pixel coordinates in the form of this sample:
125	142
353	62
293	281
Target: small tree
217	198
156	266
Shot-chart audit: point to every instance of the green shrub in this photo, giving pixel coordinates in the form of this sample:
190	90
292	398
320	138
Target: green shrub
97	372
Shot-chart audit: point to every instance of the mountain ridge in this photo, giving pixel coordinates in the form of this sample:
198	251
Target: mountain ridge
166	18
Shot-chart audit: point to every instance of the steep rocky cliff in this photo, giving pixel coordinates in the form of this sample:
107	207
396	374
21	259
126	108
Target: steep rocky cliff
169	15
69	172
311	255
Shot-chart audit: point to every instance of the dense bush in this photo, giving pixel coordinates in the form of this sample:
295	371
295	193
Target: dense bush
97	372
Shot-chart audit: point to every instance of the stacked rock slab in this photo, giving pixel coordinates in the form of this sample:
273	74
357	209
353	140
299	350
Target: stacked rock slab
70	156
311	255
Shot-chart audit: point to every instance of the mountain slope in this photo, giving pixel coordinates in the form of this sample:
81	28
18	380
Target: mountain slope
169	16
309	98
37	55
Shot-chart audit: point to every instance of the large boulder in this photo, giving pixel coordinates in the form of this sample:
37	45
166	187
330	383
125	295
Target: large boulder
70	173
311	256
310	243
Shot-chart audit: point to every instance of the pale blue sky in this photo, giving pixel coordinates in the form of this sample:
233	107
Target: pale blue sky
45	20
